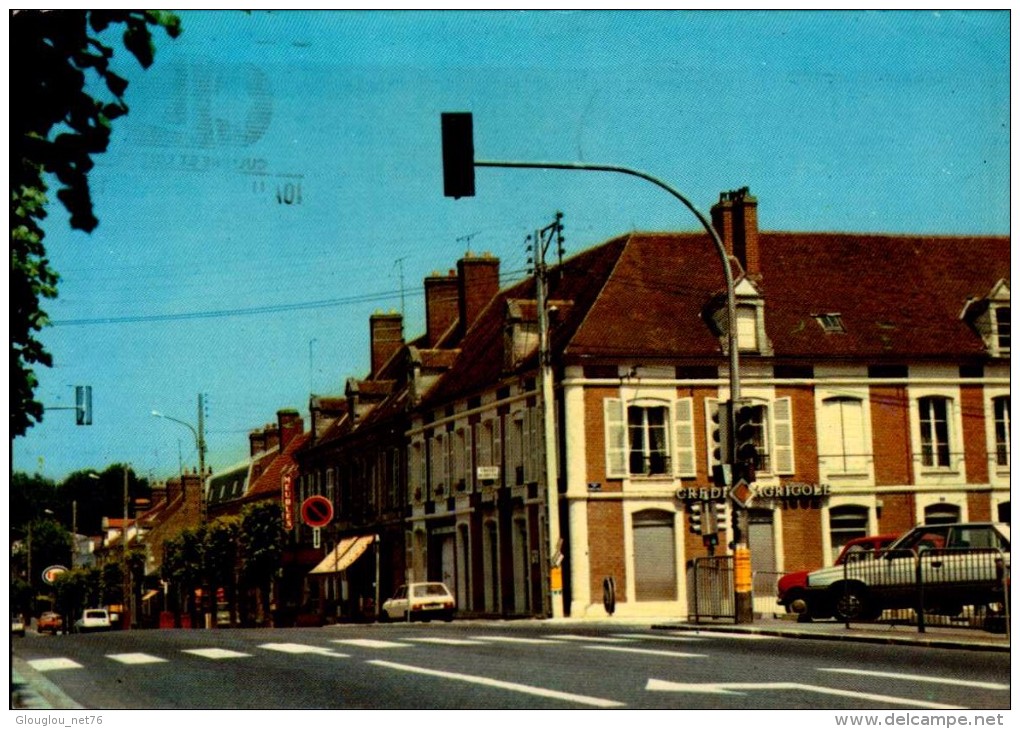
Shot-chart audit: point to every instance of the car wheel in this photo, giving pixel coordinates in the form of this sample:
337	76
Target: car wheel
448	616
384	617
850	602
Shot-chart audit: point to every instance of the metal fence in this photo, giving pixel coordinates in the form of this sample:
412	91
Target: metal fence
710	588
934	587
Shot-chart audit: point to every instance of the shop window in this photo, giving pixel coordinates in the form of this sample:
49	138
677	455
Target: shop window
655	575
846	523
941	514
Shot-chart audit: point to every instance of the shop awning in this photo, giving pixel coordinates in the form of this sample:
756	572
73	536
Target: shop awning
343	556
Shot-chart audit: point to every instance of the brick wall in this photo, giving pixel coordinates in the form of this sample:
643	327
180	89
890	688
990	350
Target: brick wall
605	546
897	513
802	534
805	433
975	444
595	437
890	431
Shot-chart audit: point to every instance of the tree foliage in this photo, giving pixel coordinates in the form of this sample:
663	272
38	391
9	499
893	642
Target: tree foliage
58	120
262	547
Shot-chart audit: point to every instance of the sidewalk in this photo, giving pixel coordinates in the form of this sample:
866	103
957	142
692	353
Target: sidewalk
890	634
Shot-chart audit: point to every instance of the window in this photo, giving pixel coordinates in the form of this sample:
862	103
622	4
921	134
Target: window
1002	315
647	441
941	514
841	435
772	424
934	415
1001	407
846	523
639	438
831	323
747	328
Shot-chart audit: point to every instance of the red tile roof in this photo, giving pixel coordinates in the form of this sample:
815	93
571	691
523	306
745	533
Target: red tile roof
268	483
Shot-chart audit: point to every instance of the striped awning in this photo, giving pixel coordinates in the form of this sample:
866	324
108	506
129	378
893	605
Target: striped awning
343	555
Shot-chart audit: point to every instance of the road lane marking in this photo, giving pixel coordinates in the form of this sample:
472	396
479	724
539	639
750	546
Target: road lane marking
671	638
215	653
923	679
301	648
507	685
53	664
447	641
734	636
370	643
508	639
135	659
644	651
655	684
589	639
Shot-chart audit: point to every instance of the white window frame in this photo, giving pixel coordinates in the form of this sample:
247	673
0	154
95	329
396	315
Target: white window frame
832	461
777	433
997	475
997	347
936	474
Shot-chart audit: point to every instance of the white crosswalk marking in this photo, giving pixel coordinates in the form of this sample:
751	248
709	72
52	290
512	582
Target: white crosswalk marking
508	639
734	636
644	651
135	659
590	639
300	648
920	678
53	664
447	641
369	643
216	653
671	638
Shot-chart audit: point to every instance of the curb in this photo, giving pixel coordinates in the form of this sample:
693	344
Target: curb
922	642
32	690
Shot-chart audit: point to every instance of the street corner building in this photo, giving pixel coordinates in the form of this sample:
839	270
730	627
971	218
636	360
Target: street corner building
875	369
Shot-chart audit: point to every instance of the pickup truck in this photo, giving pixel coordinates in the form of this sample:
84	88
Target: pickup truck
940	567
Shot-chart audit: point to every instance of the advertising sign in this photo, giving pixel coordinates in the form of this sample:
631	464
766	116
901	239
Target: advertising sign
287	482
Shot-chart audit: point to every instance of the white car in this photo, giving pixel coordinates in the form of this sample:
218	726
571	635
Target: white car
419	601
17	626
945	565
93	619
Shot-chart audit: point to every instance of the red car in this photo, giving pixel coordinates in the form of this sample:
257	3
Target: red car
49	623
792	587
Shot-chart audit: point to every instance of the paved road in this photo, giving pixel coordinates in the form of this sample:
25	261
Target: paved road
496	665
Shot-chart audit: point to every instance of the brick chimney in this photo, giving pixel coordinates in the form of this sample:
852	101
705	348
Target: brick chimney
735	219
440	305
290	426
257	439
387	332
272	435
478	284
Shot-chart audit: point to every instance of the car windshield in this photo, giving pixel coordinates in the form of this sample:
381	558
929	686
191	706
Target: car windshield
95	613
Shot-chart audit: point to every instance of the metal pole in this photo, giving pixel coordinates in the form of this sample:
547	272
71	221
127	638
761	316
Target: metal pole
74	533
126	613
743	599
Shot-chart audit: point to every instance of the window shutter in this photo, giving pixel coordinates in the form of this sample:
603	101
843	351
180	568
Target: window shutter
527	452
684	414
782	417
497	443
616	438
469	471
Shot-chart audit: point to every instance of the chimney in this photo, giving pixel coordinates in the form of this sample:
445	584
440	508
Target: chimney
735	219
257	439
272	435
440	305
478	284
387	332
290	426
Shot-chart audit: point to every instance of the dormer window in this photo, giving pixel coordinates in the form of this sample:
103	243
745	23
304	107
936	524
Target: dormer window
747	328
990	317
750	315
831	323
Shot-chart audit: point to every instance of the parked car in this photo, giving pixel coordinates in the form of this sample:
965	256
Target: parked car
792	587
49	622
93	619
954	564
419	601
18	625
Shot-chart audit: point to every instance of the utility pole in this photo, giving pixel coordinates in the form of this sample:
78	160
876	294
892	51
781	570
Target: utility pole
127	613
74	534
542	239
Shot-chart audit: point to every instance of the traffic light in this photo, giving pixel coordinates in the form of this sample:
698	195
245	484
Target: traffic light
722	433
458	155
721	519
694	517
745	433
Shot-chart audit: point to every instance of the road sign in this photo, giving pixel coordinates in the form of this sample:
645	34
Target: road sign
317	511
50	574
741	493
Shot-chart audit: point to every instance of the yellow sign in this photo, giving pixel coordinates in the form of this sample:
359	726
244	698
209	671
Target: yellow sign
555	579
741	569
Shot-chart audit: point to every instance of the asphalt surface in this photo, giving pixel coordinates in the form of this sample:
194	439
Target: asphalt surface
30	689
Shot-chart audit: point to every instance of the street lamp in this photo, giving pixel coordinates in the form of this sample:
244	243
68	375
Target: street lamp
199	444
459	181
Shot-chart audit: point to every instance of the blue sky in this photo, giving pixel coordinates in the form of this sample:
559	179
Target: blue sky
286	166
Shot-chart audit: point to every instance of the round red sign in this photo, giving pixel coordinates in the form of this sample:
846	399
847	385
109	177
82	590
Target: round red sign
317	511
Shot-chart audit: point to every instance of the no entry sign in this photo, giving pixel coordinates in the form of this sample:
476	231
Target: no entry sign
316	511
